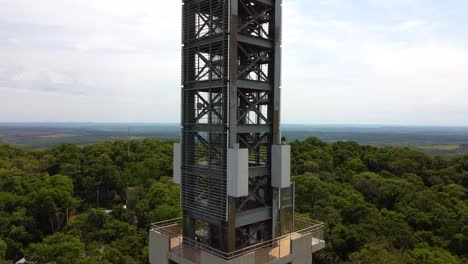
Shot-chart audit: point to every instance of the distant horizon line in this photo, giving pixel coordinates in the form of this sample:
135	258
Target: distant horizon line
284	124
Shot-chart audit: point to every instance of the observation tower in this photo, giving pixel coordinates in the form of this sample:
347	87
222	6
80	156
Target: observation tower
233	168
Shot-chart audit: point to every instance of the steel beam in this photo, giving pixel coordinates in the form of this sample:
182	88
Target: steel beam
242	129
266	2
260	171
206	127
205	41
260	42
205	85
254	85
203	217
253	216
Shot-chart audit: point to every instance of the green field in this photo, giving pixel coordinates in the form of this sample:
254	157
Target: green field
440	147
444	141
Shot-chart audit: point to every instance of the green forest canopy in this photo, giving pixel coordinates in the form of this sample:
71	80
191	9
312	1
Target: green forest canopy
381	205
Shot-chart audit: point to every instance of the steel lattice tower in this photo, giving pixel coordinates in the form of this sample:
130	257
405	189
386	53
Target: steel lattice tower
234	171
231	102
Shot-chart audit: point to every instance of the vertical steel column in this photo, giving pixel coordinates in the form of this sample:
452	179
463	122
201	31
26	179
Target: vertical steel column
277	73
233	73
277	214
232	112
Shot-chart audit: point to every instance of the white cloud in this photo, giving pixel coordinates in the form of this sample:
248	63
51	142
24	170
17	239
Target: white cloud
368	61
93	50
23	106
341	70
411	24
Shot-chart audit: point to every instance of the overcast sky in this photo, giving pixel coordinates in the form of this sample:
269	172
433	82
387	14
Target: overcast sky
345	61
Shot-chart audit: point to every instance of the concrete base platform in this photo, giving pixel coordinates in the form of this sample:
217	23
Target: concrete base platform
317	244
296	249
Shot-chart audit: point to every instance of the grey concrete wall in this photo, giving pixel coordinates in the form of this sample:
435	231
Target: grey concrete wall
177	163
158	248
302	249
284	260
281	166
317	244
245	259
207	258
237	172
177	259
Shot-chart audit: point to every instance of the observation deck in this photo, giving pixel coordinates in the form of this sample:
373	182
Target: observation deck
307	238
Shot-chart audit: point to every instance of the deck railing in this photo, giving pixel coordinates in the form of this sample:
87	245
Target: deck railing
264	252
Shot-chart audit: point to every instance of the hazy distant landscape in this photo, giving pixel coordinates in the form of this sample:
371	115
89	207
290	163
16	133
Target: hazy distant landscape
434	140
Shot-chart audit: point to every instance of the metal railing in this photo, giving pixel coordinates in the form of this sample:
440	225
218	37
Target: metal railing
264	252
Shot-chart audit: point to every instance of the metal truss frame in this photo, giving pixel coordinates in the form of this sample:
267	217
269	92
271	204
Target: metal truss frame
230	97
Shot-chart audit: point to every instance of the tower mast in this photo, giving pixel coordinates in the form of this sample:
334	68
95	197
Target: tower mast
233	170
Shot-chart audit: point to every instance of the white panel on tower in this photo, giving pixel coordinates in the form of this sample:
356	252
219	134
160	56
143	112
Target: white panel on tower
281	166
177	163
237	172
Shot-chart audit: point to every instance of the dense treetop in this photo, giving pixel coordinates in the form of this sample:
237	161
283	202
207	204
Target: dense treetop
381	205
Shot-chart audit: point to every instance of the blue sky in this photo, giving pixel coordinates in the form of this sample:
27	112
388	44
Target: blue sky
345	61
